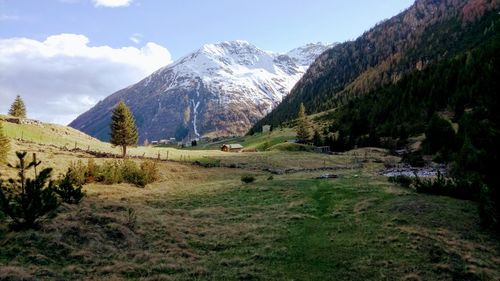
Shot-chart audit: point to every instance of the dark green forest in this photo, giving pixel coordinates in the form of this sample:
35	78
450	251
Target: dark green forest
382	56
466	88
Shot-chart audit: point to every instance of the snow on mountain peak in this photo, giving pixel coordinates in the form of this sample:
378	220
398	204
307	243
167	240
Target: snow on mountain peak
224	87
307	54
240	71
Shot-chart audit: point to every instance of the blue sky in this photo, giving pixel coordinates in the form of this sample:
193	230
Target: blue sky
63	56
184	25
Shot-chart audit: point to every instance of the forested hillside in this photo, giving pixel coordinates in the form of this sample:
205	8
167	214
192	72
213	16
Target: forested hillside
465	90
432	71
428	32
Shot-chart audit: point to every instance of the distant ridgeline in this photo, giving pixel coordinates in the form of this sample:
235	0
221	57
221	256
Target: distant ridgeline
428	32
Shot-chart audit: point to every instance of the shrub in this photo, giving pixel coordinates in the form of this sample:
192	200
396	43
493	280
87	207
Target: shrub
404	181
442	185
27	200
92	171
69	188
77	172
439	138
247	179
150	170
414	159
110	173
131	173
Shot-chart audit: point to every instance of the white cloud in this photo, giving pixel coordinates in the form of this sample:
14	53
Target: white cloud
112	3
136	38
63	76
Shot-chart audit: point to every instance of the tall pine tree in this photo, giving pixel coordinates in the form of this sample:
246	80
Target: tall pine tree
123	129
18	109
4	145
303	125
317	139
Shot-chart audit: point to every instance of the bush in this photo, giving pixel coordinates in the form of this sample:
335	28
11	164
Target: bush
414	159
247	179
92	171
131	173
77	172
110	173
404	181
27	200
150	170
439	138
139	176
442	185
69	188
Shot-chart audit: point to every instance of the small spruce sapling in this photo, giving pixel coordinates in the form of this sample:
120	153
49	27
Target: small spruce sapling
27	200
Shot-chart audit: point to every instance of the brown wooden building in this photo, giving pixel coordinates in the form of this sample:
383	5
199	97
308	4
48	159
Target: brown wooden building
232	147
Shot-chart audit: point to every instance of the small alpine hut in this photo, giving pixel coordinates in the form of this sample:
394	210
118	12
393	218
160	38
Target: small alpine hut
232	147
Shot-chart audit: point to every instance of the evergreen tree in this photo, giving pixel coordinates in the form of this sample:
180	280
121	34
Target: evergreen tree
439	136
69	188
123	129
317	139
26	200
4	145
303	125
18	109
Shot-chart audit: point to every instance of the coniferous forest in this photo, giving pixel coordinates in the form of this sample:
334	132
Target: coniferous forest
465	88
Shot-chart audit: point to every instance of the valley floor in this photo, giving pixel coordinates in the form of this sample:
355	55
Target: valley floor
205	224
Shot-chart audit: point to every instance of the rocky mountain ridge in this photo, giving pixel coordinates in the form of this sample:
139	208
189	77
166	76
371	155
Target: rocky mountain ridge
220	89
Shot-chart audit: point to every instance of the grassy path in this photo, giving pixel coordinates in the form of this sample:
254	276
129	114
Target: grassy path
204	224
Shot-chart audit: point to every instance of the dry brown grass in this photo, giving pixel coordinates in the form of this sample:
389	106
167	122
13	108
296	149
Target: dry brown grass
477	257
202	223
98	239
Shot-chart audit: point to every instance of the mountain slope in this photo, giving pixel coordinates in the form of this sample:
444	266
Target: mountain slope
427	32
221	89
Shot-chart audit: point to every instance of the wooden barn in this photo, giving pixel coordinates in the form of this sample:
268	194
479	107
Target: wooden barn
232	147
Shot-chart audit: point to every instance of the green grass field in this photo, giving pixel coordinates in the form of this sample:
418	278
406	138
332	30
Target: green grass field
205	224
257	141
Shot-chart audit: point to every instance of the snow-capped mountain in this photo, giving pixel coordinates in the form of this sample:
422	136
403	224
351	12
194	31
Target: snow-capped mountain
220	89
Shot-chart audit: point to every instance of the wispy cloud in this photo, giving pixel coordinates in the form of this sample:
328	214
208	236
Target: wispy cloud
112	3
62	76
136	38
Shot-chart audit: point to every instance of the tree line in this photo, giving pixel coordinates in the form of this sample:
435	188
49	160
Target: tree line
381	57
455	104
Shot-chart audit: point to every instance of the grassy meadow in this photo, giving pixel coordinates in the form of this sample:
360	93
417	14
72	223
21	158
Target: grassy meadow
199	223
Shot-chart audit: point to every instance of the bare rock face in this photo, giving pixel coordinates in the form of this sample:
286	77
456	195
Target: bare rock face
221	89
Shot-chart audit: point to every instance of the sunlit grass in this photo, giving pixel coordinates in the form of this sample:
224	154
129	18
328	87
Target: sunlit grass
200	223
